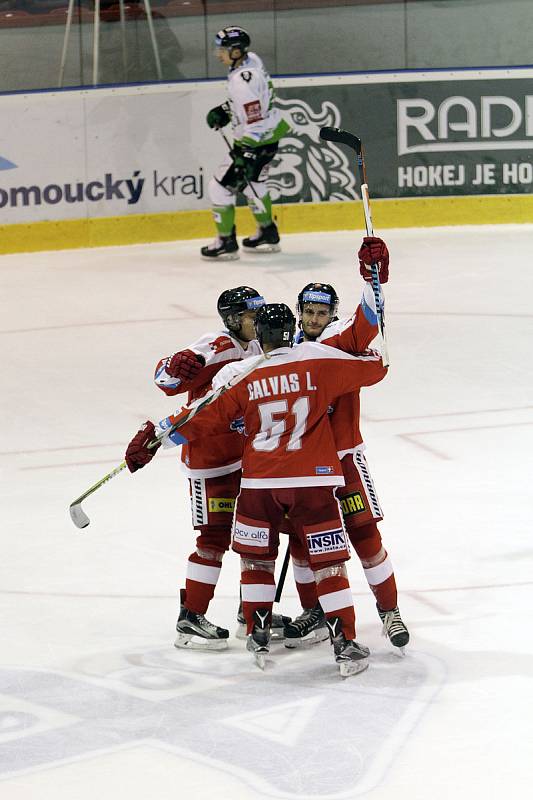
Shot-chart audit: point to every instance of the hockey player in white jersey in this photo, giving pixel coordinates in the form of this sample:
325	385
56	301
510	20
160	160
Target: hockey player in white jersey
257	127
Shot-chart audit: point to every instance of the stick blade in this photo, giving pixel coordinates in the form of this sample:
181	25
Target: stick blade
328	134
78	515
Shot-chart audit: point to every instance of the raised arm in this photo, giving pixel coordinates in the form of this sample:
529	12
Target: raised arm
355	334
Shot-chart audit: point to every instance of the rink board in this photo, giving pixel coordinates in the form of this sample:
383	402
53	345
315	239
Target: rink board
291	218
118	165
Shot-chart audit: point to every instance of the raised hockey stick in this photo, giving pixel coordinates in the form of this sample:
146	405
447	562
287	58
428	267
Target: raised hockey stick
352	141
78	515
260	203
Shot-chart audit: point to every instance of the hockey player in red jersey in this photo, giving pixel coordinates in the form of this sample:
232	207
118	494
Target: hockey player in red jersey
213	465
290	467
317	308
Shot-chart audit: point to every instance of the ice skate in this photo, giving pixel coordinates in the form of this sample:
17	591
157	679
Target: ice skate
308	628
264	240
224	248
351	656
394	628
258	641
277	626
195	632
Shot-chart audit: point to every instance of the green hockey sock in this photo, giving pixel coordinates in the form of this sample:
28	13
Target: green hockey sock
262	217
224	217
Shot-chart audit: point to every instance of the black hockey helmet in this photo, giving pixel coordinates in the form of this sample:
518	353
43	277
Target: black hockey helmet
233	302
233	36
275	324
318	293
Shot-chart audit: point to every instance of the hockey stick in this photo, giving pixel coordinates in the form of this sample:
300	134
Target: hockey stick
354	142
282	575
260	203
78	515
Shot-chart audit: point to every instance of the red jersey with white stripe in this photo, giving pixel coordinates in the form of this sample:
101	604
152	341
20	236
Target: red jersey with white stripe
221	453
288	440
351	335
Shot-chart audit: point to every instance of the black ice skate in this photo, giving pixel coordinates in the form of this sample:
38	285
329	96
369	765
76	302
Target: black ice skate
351	656
308	628
265	240
195	632
224	248
258	641
277	626
394	628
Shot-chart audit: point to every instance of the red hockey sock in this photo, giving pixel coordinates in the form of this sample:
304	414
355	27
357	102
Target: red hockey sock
304	577
201	581
258	590
376	564
336	599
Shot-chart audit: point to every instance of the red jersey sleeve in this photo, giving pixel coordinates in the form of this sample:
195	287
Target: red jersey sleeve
212	419
354	335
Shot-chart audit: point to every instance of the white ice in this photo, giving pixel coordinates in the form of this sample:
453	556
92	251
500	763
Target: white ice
94	699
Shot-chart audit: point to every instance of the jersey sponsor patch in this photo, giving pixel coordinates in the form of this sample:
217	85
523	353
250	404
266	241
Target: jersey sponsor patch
253	111
326	542
198	502
368	483
324	470
218	504
352	503
221	344
251	536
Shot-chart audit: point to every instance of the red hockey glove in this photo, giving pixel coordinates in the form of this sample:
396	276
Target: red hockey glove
374	251
137	453
185	365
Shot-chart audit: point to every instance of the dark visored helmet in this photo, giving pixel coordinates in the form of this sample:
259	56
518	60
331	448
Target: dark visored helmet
275	324
318	293
233	36
233	302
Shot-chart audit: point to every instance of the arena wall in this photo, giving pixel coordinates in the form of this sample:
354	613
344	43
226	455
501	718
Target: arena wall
118	165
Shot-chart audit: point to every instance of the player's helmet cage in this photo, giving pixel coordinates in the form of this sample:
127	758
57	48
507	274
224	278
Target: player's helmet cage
233	302
318	293
233	37
275	324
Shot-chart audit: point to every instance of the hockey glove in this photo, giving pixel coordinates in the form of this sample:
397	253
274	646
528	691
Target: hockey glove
137	452
374	251
185	365
218	117
244	162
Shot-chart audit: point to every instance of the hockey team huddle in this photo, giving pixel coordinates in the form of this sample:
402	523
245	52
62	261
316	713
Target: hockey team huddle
279	451
273	445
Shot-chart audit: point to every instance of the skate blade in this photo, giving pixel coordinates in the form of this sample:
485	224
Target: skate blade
186	641
263	248
399	652
225	257
260	660
277	635
240	633
348	668
315	637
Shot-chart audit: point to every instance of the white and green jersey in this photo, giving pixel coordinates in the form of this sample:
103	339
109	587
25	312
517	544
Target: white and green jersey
251	97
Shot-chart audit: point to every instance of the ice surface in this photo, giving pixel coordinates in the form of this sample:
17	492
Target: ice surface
94	699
